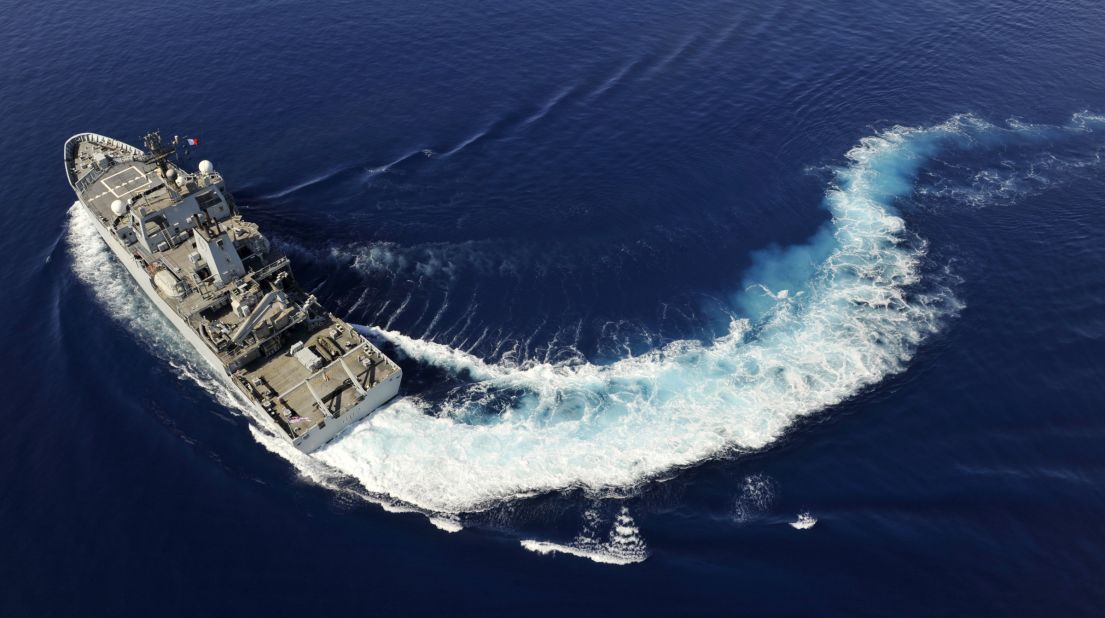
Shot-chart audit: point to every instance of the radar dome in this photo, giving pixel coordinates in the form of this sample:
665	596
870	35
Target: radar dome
206	167
170	173
118	207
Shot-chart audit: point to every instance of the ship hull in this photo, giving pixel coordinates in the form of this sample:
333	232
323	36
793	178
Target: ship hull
306	443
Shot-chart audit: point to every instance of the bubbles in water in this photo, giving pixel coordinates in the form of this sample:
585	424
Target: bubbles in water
805	521
757	494
448	524
623	543
520	430
832	316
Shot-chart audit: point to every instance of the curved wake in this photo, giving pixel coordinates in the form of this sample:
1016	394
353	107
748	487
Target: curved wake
849	320
828	319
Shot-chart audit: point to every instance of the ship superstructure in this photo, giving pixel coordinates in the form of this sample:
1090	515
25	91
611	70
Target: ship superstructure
230	293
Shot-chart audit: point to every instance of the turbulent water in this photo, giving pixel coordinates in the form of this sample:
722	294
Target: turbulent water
696	307
857	318
855	315
846	310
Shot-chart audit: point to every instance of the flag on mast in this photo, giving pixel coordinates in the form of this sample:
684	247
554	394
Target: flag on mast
192	141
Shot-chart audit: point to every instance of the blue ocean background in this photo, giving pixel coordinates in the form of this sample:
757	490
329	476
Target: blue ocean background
719	308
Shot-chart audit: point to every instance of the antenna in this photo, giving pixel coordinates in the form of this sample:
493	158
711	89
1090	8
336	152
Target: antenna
157	150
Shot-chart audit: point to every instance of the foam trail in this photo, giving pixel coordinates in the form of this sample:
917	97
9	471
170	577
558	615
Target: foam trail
623	544
805	521
856	316
757	494
853	313
448	524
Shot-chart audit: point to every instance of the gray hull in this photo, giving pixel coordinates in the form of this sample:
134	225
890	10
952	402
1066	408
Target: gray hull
307	443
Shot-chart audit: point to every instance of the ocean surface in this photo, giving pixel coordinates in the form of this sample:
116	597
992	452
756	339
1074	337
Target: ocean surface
714	308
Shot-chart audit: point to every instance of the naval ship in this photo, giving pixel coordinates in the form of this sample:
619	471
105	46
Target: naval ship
306	373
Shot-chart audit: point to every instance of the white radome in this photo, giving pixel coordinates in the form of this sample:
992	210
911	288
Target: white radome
206	167
119	208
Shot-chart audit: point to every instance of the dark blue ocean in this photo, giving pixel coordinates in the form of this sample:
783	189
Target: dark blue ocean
714	308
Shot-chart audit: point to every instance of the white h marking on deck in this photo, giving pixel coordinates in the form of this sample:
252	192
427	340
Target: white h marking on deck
140	176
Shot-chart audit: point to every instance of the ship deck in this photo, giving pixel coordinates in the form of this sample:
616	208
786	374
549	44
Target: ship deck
298	398
122	180
303	397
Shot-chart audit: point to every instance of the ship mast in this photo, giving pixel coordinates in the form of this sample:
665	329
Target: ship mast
157	150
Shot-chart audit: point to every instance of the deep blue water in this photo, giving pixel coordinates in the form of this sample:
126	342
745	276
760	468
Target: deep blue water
662	277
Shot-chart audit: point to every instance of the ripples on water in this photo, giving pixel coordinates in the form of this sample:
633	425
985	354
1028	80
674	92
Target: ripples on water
792	295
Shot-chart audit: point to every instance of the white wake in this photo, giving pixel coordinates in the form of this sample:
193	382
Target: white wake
622	545
859	317
856	315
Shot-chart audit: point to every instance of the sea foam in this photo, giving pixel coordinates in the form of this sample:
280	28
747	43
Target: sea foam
856	316
854	311
622	545
805	521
